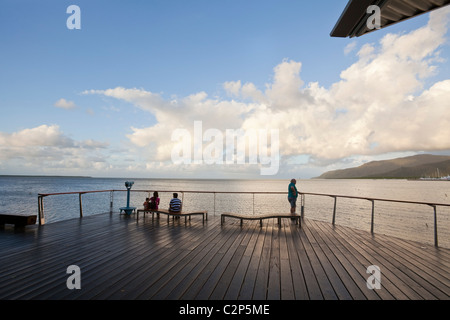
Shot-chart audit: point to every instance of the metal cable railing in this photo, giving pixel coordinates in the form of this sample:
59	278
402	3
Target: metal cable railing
41	197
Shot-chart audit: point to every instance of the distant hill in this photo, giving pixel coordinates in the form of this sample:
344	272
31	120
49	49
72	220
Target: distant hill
413	167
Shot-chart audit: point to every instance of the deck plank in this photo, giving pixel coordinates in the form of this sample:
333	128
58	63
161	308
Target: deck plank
125	258
286	280
390	270
249	279
297	270
349	260
364	254
260	289
237	280
347	280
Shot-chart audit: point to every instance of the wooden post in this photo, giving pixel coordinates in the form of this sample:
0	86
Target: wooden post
334	210
41	210
373	213
253	203
182	200
81	205
111	199
302	205
435	227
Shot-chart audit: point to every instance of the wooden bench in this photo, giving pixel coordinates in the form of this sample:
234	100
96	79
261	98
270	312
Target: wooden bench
169	213
261	217
17	220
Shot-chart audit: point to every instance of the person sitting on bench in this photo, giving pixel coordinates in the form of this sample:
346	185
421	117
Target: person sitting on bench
175	204
146	203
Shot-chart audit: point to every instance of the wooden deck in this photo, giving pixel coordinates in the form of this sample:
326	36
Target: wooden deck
124	258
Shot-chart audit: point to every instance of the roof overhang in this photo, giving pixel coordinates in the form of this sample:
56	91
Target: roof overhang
353	20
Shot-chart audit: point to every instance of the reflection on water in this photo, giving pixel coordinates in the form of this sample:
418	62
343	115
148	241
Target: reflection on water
410	221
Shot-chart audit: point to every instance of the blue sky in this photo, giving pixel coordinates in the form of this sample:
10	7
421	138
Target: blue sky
104	100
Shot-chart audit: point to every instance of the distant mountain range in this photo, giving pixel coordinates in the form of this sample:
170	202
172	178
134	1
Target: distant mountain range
413	167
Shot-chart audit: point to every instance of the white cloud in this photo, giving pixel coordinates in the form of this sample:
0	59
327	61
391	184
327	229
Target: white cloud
233	87
146	100
350	47
381	104
378	106
64	104
92	144
46	148
44	136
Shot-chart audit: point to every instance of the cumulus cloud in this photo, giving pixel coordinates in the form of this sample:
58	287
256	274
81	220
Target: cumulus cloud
45	136
350	47
177	114
64	104
46	147
380	104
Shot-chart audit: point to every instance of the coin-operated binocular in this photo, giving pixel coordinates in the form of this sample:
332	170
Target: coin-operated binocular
128	210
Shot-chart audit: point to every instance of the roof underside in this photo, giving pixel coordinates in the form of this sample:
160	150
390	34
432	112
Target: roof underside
352	22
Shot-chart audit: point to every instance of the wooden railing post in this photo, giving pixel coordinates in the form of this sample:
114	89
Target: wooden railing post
435	227
302	205
372	218
334	210
111	200
253	203
41	210
81	205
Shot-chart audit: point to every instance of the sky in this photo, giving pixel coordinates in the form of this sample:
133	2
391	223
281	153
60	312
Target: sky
152	89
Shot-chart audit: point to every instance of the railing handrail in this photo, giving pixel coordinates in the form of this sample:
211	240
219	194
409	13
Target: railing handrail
378	199
302	199
254	192
73	192
162	191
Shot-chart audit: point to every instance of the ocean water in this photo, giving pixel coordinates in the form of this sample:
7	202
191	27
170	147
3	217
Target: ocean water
19	195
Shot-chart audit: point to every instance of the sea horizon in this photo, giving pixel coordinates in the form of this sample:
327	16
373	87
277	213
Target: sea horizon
202	178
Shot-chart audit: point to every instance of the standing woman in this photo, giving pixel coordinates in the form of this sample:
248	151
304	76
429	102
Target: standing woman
292	195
